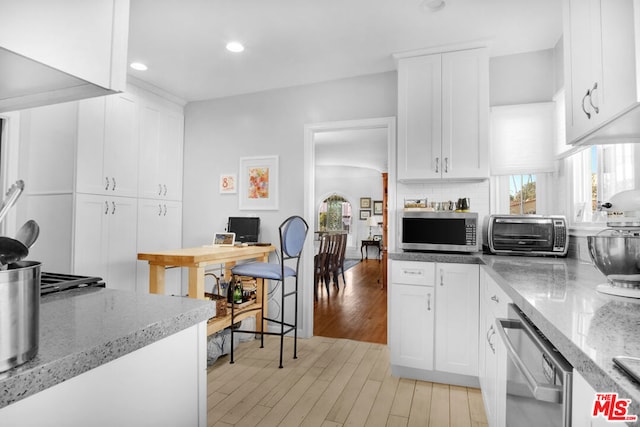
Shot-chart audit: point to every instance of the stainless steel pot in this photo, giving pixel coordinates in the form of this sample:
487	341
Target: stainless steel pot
19	313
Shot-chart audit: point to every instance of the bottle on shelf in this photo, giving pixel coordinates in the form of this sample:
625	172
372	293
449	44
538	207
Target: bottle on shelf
237	294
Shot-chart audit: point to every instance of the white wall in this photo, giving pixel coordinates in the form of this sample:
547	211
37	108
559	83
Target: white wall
218	132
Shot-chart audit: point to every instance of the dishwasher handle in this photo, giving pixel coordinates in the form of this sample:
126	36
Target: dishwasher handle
542	392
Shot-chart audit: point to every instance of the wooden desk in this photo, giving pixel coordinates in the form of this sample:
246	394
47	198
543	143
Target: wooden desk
196	259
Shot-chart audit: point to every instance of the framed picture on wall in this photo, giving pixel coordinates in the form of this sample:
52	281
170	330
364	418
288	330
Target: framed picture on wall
364	214
258	183
365	202
228	184
377	207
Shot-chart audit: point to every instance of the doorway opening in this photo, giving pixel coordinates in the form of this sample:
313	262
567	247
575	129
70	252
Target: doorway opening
344	151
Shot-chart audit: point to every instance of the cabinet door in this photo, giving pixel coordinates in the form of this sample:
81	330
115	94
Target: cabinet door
122	250
90	175
420	117
457	315
90	235
161	142
465	114
159	228
171	143
411	326
121	145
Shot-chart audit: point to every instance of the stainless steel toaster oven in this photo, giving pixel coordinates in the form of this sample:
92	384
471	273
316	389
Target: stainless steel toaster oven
526	235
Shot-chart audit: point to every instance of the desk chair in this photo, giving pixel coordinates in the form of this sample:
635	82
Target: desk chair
293	232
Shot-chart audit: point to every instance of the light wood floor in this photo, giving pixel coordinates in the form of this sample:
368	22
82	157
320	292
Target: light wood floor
333	382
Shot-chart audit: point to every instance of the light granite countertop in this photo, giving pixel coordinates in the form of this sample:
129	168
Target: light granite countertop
559	296
82	329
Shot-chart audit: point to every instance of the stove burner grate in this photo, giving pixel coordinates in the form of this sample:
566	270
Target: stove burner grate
56	282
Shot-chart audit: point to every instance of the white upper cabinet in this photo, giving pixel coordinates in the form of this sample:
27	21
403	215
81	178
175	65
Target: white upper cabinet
443	116
60	51
161	142
600	43
108	146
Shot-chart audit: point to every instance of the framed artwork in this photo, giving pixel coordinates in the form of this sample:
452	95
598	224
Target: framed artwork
365	202
365	213
224	239
258	183
377	207
228	184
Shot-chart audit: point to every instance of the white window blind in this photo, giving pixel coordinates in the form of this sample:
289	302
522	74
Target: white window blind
522	138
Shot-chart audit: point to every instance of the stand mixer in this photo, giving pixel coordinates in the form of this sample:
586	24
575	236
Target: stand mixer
615	251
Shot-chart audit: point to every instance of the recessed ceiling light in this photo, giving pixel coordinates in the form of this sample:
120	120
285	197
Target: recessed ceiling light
138	66
235	47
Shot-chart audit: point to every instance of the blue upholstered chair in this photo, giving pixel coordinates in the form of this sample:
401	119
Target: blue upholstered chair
293	232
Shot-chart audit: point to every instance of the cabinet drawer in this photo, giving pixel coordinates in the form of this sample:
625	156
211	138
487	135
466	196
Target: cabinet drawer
496	299
413	273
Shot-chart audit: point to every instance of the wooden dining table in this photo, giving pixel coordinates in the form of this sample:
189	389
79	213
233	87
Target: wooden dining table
196	260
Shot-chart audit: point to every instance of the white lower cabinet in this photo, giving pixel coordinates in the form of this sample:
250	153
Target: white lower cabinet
104	239
159	228
492	358
433	318
582	399
457	312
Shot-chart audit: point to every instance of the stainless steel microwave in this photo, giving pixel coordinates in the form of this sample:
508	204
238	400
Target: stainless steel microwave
526	234
439	231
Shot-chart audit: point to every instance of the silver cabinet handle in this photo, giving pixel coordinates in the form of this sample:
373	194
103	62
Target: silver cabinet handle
114	184
415	272
429	302
593	89
584	110
106	207
113	211
446	165
490	333
441	277
159	209
437	164
159	189
496	299
165	210
165	189
106	186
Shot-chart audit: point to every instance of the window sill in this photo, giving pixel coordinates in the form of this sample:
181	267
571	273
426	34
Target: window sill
586	229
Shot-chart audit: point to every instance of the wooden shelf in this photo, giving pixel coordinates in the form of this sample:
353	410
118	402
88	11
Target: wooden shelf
216	324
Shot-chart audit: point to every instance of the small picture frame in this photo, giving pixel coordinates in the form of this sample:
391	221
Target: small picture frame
228	184
224	239
377	237
364	214
377	207
365	203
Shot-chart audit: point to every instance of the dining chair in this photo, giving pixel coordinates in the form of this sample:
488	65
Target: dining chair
321	264
337	265
293	232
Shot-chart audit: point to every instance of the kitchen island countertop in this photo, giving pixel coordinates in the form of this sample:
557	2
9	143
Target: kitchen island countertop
559	296
84	328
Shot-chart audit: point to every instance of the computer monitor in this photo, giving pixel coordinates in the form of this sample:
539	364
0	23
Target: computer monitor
247	229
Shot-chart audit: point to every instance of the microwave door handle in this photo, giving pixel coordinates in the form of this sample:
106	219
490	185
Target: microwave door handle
542	392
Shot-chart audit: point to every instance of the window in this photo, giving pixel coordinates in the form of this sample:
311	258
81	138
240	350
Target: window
599	172
522	194
335	214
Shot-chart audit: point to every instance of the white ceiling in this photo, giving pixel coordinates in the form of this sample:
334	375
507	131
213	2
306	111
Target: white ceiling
296	42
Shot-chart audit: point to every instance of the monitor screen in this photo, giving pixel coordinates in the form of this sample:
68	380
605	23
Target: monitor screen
247	229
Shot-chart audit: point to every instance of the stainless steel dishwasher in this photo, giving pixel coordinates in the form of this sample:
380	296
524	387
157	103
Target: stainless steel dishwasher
538	377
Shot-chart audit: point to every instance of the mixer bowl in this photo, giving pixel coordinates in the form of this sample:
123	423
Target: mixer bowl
618	258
